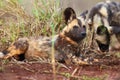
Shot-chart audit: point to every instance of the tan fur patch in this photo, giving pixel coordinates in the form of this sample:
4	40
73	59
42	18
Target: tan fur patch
13	52
70	26
69	40
101	38
36	50
103	11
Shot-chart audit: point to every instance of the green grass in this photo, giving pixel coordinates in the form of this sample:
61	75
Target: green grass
93	78
117	54
46	15
48	12
3	62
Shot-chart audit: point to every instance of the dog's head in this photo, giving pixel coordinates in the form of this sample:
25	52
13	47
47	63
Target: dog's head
102	38
16	49
75	26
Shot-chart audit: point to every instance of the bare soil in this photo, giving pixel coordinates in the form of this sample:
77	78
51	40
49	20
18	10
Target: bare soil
14	70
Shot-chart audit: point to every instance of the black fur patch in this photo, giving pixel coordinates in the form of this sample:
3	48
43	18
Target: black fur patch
5	52
21	57
103	47
69	13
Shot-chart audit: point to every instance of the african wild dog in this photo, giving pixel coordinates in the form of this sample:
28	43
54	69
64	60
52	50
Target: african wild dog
65	44
115	29
108	12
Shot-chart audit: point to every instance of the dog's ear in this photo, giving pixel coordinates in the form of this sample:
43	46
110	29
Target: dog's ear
69	14
83	15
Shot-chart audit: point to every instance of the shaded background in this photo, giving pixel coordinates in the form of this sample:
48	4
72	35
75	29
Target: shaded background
78	5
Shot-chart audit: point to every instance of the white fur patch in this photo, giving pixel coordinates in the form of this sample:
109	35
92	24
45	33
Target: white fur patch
82	20
108	1
107	25
89	21
1	55
103	11
97	22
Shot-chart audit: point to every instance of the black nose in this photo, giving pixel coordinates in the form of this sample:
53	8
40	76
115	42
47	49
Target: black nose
83	33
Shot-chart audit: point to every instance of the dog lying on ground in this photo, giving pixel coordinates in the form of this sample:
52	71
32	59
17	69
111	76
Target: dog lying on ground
66	44
109	14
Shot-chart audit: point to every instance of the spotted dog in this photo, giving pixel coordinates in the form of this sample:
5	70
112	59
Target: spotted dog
107	14
66	44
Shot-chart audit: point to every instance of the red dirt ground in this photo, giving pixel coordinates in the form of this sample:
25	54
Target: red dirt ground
43	71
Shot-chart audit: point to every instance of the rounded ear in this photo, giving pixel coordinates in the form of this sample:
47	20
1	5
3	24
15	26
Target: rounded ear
69	14
83	14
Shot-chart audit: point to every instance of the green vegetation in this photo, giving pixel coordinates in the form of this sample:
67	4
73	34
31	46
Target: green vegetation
15	22
93	78
3	62
117	54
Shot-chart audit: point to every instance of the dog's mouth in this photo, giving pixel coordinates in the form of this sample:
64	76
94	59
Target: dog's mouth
103	47
77	36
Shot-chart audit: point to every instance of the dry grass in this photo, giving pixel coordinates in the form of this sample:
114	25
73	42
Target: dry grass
15	22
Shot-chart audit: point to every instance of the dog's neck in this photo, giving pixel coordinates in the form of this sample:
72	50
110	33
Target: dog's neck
67	39
67	46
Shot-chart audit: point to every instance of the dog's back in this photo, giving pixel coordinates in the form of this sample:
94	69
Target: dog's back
104	10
